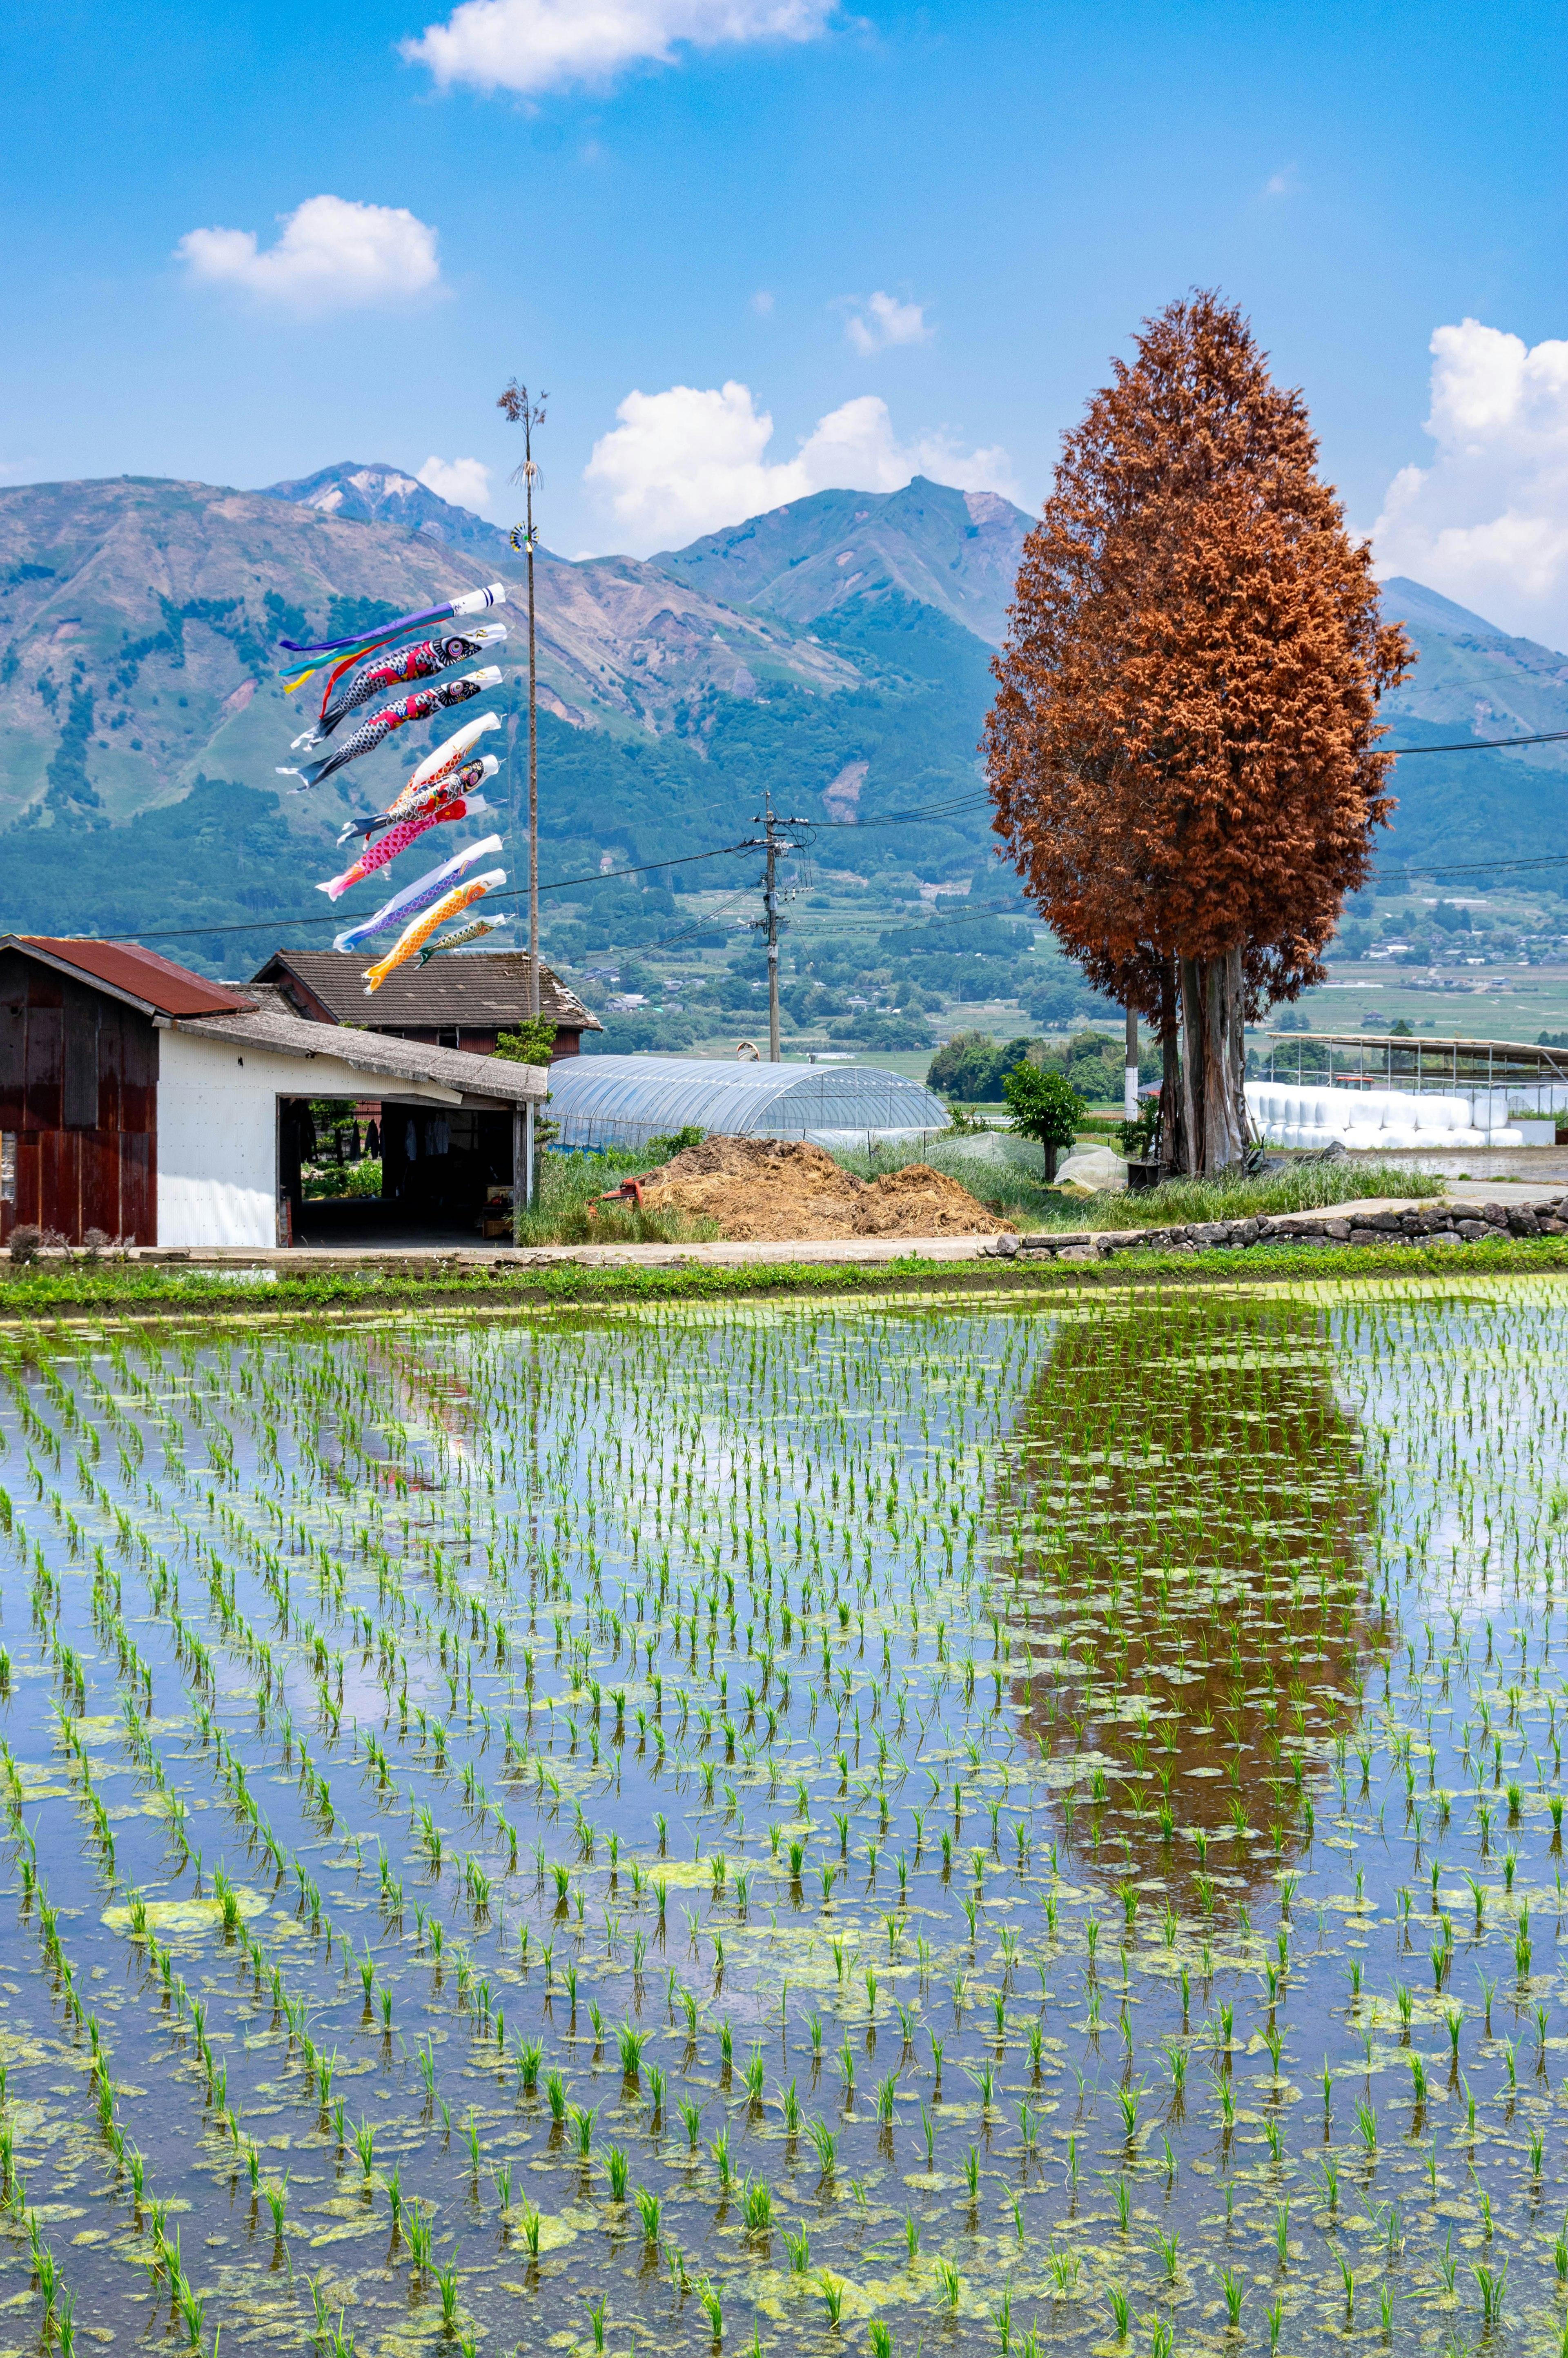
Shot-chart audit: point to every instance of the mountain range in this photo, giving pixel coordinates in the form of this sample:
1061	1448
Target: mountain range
834	652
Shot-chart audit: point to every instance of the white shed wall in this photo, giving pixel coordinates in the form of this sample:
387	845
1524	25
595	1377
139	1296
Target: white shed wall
217	1133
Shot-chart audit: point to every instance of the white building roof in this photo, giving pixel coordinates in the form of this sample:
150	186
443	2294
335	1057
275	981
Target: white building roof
478	1080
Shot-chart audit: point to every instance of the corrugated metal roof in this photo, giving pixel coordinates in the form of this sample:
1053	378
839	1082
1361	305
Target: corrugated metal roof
153	981
479	990
272	1026
626	1101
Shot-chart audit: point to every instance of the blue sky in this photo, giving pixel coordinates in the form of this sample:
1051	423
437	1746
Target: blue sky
929	226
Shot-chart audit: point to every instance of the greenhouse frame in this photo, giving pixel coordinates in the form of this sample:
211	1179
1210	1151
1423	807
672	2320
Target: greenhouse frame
601	1101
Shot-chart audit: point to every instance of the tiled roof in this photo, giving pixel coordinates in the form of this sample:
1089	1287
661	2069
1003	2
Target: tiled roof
140	975
475	990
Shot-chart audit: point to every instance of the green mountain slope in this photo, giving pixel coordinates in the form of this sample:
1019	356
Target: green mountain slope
1474	681
956	551
141	723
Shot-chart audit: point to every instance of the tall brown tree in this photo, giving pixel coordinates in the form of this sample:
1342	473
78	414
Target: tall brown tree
1182	751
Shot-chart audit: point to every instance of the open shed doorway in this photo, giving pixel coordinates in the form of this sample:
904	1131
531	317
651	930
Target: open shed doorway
440	1174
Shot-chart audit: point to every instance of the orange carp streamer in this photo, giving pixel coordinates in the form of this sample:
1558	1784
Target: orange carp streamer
416	936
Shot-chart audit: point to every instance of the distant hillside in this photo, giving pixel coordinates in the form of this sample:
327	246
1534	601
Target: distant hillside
138	704
956	551
826	653
139	622
1474	680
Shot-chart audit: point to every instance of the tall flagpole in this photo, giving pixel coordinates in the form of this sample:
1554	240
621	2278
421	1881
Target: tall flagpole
520	411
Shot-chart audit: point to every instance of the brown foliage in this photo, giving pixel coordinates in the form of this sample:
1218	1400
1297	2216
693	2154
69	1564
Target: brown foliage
1182	749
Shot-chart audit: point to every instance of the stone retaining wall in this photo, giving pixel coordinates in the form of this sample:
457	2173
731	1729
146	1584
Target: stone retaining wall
1423	1224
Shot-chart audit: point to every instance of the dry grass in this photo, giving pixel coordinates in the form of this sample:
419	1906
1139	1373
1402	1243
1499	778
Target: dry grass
1017	1193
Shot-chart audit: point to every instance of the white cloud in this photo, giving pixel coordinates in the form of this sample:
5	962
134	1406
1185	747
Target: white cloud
1282	184
530	45
1488	522
687	461
464	482
333	255
761	303
885	321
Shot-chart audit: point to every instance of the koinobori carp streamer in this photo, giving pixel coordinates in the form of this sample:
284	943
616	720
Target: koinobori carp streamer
418	705
398	839
462	937
417	895
462	897
420	660
466	779
318	654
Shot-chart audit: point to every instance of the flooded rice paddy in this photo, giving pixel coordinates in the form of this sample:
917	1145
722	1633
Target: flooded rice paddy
763	1829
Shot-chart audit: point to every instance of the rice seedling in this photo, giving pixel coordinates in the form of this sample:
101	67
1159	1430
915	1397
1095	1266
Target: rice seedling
893	1504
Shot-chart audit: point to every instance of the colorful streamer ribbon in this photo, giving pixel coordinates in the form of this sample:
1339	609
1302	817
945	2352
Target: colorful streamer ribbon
362	643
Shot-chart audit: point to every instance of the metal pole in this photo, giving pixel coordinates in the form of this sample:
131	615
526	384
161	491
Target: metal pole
533	772
1129	1077
528	1154
520	411
771	905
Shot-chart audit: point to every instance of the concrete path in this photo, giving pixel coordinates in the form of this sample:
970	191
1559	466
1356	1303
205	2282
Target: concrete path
860	1253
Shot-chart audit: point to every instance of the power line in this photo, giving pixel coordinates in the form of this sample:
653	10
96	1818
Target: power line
1471	867
555	884
1482	744
901	818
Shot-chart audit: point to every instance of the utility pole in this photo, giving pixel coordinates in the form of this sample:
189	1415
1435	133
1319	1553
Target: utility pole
1129	1077
521	412
771	905
771	843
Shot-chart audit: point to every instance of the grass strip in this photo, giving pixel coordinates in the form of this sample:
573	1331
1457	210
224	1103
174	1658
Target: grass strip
156	1291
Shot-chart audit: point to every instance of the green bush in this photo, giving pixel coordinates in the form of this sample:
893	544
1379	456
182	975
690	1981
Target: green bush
973	1068
533	1043
1045	1107
354	1179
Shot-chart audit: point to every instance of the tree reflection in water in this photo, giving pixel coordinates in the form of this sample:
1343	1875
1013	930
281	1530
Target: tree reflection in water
1192	1521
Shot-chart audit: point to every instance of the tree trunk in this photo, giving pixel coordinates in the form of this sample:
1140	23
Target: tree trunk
1214	1062
1050	1153
1172	1120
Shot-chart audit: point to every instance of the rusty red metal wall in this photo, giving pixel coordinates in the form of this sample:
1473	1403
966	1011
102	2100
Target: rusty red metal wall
78	1092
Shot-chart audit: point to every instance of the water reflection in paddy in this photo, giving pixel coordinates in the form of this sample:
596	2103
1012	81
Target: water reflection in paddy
758	1824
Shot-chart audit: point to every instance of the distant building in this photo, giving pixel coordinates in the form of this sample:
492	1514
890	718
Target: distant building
454	1002
142	1100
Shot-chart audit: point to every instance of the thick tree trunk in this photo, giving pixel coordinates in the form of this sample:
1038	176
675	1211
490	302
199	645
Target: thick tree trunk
1214	1062
1172	1118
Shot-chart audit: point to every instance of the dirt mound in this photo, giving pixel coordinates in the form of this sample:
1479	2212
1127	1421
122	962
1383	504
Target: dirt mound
784	1190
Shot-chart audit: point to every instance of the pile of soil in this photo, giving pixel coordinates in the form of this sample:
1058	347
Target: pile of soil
784	1190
